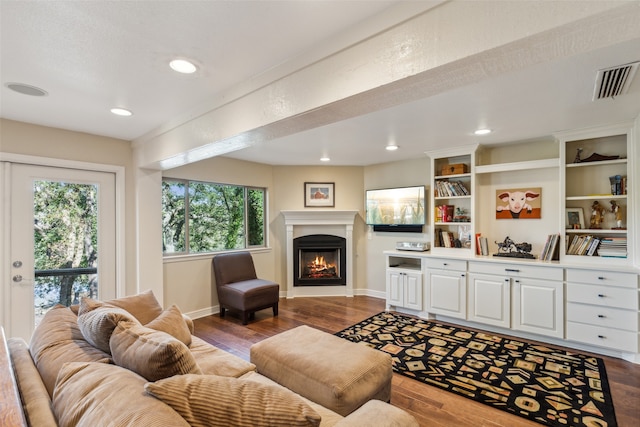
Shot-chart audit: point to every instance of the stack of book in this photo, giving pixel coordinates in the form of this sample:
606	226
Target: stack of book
613	247
451	189
550	251
444	239
584	244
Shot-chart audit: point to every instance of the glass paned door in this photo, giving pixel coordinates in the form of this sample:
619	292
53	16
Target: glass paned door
62	240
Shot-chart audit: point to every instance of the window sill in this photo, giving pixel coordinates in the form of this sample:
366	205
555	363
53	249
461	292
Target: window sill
168	259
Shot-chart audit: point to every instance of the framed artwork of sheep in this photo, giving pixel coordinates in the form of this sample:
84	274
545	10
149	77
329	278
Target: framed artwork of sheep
518	203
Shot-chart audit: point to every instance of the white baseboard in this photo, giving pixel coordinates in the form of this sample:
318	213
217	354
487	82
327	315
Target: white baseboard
204	312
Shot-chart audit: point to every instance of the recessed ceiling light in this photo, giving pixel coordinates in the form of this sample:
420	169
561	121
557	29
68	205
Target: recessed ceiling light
391	147
324	159
121	112
482	131
26	89
183	66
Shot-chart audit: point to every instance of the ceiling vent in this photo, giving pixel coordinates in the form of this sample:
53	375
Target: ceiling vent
614	81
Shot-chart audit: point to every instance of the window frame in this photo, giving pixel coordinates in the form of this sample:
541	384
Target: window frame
245	189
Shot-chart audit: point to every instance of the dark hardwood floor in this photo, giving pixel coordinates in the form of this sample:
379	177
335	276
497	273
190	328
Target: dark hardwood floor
430	406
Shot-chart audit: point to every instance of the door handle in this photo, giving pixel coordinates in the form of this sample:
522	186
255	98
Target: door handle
21	280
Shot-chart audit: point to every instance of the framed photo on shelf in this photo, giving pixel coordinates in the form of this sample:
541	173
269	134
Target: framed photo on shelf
574	218
319	194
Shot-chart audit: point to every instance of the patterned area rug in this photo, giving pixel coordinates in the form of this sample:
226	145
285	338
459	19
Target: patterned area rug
545	385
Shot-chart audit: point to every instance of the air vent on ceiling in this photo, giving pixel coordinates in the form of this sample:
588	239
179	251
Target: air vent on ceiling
614	81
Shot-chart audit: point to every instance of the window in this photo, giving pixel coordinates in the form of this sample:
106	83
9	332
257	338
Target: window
199	217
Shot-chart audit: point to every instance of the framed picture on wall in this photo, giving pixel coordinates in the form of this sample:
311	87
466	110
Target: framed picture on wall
518	203
319	194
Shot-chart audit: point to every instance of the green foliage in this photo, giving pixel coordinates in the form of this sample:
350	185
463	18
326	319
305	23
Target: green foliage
255	216
65	236
216	216
173	216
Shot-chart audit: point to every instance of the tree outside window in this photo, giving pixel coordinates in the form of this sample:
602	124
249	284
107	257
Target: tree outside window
200	217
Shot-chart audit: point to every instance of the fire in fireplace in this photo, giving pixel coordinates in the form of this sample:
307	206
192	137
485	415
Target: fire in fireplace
320	260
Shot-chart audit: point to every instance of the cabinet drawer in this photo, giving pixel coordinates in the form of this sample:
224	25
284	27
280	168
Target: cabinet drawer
603	337
603	316
605	296
516	270
601	277
446	264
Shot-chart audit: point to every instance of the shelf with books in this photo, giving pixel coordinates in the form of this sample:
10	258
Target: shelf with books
452	199
595	177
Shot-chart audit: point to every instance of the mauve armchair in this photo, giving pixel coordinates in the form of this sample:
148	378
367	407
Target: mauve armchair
239	288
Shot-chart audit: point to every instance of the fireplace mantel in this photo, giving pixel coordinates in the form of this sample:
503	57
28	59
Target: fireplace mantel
309	221
319	217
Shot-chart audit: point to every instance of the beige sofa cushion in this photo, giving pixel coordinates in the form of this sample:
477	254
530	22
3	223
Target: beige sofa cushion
94	394
209	401
328	417
36	402
214	361
172	322
150	353
56	340
97	320
143	306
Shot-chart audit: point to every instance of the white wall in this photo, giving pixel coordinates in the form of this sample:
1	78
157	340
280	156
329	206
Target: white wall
388	175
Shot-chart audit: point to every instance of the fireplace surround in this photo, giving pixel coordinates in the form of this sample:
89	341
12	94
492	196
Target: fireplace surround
311	222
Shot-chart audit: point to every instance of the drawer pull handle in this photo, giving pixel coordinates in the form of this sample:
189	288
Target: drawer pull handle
600	277
600	295
601	337
517	281
512	270
445	264
506	280
602	316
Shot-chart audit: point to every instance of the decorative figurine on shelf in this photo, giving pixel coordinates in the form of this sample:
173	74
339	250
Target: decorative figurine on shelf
597	214
508	248
578	154
615	208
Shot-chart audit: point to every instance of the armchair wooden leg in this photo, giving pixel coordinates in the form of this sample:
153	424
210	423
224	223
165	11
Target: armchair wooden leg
222	310
245	317
275	309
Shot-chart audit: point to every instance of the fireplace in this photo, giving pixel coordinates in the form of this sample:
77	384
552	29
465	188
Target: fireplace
319	260
310	222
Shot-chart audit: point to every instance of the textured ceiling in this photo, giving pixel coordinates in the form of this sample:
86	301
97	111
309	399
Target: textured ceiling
91	56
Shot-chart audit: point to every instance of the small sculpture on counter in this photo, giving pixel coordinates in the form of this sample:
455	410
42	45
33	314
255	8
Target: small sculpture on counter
508	248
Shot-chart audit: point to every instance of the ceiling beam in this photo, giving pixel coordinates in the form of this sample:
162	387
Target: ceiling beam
446	47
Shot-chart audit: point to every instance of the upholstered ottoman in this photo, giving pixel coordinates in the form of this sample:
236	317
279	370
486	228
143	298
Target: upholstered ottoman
328	370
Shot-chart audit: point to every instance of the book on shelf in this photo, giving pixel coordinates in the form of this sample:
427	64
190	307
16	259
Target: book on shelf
613	247
550	252
618	184
484	246
446	188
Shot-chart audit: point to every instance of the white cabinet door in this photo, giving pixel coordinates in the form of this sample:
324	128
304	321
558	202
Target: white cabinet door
413	291
447	293
404	289
538	306
490	299
395	288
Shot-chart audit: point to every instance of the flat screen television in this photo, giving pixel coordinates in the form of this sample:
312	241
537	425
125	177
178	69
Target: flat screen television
396	209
